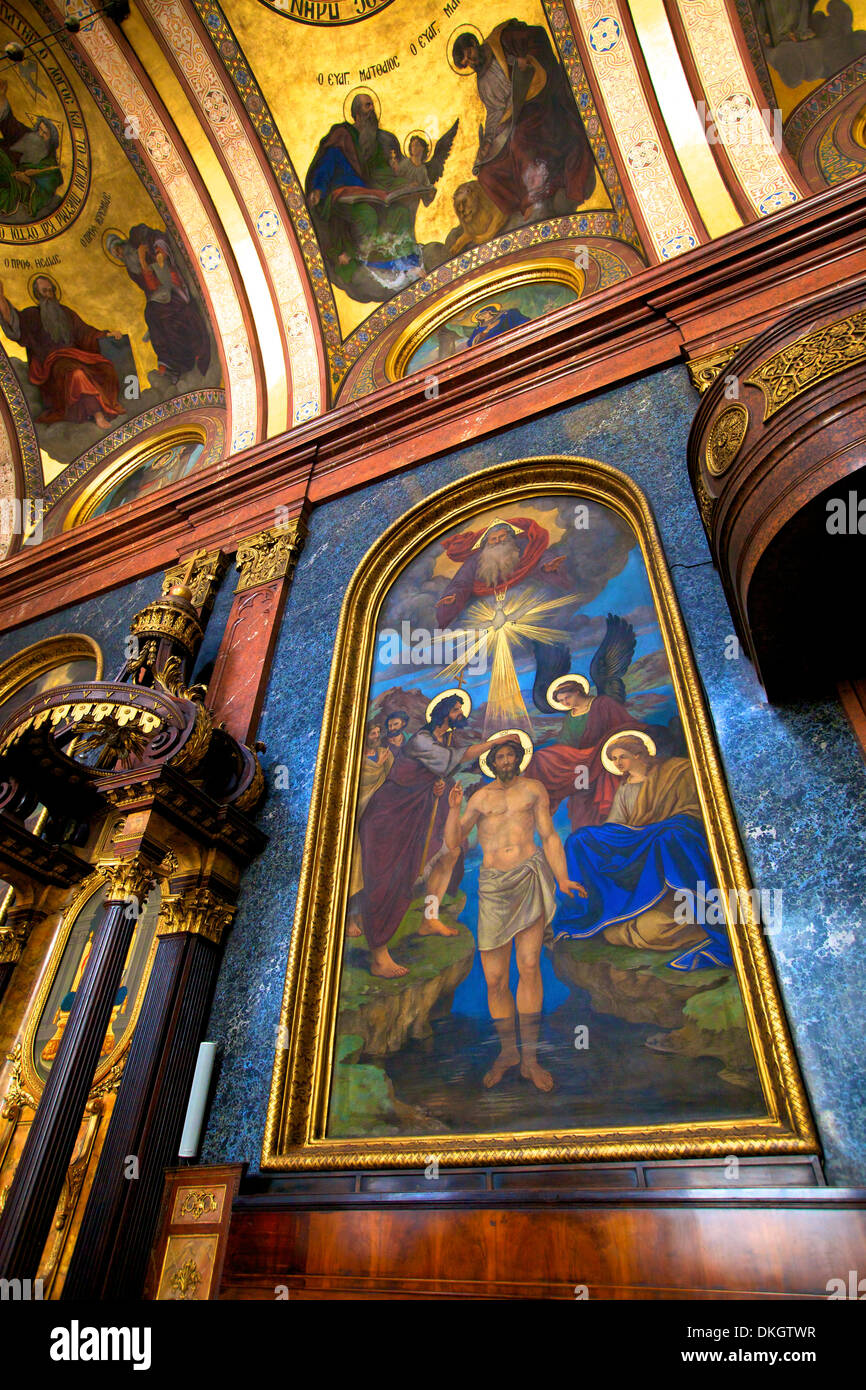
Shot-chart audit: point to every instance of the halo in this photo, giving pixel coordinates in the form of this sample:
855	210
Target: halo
482	309
462	695
41	275
564	680
462	29
492	527
523	739
617	738
112	231
422	135
350	97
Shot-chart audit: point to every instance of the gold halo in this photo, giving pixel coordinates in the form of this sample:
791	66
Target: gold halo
422	135
462	695
482	309
112	231
523	739
462	29
564	680
355	92
41	275
617	738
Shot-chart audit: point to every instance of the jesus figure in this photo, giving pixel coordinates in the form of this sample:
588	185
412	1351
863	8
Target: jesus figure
516	899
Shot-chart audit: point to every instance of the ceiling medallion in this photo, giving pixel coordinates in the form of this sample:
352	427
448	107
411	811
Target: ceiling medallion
726	435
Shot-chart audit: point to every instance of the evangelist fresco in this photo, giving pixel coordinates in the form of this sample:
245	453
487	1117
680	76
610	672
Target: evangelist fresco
533	160
489	318
100	316
421	144
534	936
806	42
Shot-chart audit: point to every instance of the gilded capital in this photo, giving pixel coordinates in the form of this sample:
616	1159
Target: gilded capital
130	879
269	555
198	912
14	933
12	942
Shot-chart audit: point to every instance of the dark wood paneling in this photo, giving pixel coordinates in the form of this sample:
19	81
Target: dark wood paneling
772	1244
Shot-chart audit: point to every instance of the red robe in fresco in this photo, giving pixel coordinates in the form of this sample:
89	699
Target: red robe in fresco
74	378
556	766
548	149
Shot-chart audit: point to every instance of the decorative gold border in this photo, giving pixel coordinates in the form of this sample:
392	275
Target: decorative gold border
35	660
103	482
30	1076
554	271
297	1108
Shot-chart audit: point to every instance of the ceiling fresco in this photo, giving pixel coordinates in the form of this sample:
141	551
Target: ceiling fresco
102	323
299	82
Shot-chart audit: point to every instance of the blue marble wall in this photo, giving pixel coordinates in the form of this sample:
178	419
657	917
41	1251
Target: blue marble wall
105	619
796	777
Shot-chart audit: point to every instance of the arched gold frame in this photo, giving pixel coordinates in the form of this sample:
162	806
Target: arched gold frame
303	1063
35	660
32	1082
552	271
105	480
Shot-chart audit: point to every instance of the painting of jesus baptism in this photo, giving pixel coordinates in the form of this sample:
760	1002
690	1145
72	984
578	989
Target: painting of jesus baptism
535	936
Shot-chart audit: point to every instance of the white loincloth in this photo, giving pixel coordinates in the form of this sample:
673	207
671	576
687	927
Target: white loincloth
509	900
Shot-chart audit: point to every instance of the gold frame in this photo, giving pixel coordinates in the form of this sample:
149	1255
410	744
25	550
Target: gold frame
35	660
297	1109
29	1074
554	270
89	498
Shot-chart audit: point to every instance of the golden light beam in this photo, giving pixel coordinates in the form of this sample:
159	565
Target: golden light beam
505	704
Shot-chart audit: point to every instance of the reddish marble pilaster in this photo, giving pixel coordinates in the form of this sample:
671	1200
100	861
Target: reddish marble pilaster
266	562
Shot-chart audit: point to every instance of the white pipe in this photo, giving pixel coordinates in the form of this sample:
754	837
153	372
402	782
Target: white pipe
190	1139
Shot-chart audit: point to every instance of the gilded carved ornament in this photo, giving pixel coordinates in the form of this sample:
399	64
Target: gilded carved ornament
704	370
186	1279
198	912
198	1204
818	355
269	555
725	439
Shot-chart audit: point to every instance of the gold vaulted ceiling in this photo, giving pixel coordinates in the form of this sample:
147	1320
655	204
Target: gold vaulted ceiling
169	191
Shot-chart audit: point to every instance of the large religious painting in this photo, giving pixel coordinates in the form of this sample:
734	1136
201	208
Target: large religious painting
525	927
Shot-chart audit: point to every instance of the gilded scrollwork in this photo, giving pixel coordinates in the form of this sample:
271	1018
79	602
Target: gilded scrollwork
269	555
704	370
818	355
